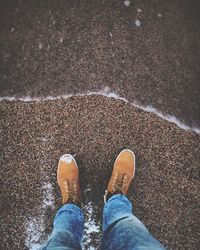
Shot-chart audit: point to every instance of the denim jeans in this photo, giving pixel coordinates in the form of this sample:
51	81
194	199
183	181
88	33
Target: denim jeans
121	229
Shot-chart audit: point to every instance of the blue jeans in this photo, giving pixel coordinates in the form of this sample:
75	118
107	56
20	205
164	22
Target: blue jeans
121	229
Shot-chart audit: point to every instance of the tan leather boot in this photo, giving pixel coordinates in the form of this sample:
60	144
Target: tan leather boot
68	180
123	173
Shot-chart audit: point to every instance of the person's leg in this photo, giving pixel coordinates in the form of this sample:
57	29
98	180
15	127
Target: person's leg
121	229
68	223
68	229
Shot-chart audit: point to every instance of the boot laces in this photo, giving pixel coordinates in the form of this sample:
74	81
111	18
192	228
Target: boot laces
71	189
119	182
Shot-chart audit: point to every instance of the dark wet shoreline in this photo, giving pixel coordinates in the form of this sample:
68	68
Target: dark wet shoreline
67	47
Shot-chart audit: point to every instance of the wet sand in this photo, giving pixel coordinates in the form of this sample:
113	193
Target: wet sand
56	48
62	47
164	193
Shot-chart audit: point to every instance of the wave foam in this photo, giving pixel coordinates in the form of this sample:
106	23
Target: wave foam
110	94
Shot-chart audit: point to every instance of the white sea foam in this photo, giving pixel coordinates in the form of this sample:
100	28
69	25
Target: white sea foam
91	227
137	22
35	226
107	92
34	231
127	3
40	46
48	198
